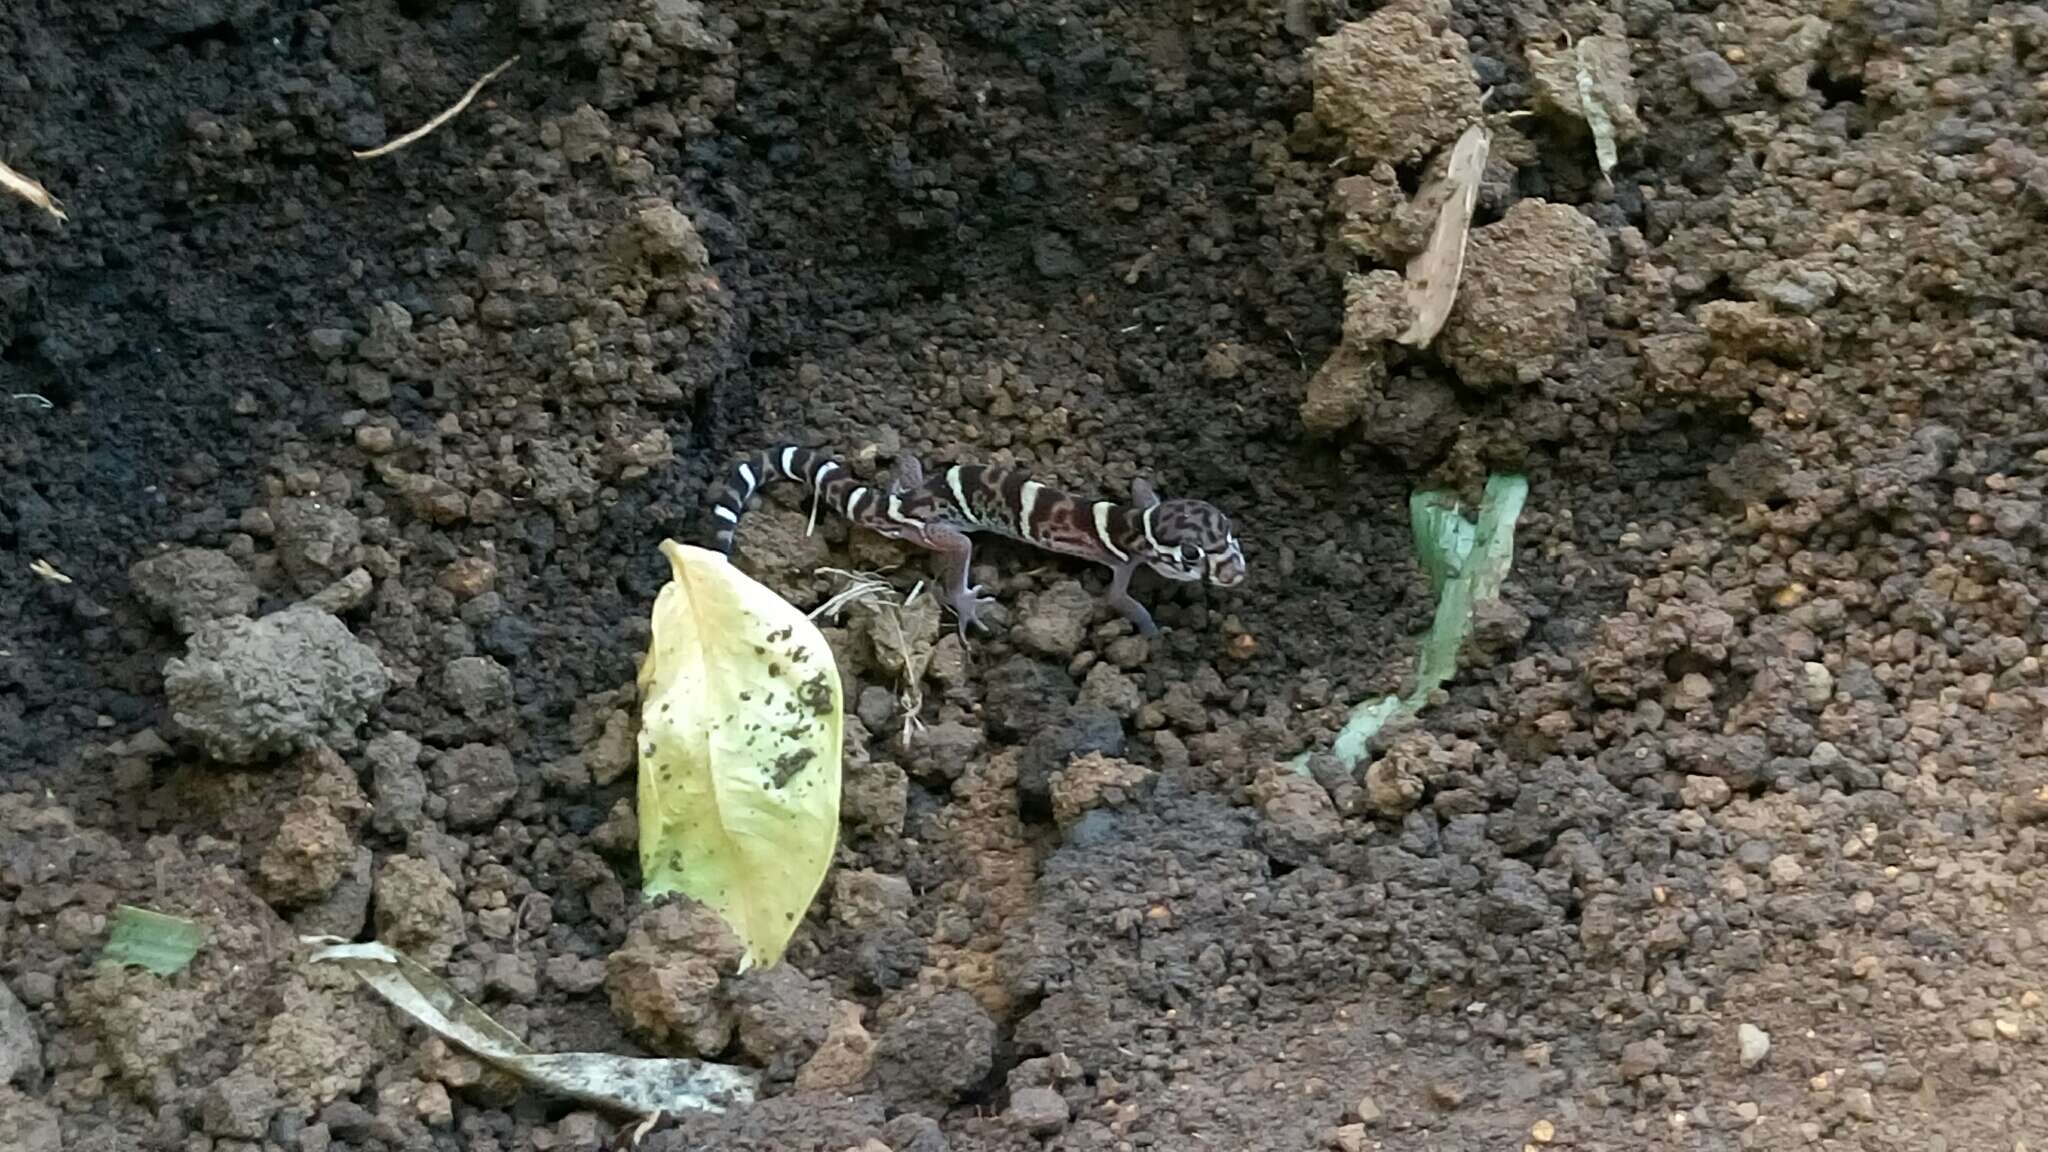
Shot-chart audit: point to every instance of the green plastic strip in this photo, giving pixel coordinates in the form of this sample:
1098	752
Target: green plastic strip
1467	562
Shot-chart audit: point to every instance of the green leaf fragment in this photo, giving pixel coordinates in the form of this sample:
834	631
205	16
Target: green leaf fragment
141	938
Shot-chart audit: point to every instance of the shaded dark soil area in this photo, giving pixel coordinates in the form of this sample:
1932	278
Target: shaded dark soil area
331	491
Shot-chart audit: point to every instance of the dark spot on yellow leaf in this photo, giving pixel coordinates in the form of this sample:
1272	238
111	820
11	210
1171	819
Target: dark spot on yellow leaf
791	763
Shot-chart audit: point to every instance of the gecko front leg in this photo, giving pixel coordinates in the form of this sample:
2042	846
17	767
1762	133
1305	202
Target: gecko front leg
908	477
955	551
1120	598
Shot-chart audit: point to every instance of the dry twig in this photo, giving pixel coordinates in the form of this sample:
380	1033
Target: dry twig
859	586
916	662
453	111
886	607
31	191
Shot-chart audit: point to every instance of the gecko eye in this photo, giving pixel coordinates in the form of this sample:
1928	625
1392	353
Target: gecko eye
1190	553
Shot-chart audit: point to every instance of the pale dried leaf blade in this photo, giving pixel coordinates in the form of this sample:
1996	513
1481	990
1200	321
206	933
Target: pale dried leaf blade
31	191
741	722
636	1085
1434	272
1599	118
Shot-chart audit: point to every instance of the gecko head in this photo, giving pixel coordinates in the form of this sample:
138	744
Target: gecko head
1191	540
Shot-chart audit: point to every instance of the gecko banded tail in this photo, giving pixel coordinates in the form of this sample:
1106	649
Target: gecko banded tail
825	479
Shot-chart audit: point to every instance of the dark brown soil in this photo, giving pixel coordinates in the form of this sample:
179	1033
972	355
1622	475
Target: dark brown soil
1758	740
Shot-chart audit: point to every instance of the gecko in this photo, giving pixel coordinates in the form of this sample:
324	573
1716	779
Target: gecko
1183	540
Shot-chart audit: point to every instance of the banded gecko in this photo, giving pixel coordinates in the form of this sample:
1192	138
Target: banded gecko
1182	540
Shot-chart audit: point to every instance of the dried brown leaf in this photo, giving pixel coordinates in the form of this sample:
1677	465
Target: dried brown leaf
1434	272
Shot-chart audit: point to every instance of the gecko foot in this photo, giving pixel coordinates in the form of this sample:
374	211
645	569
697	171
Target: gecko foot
967	606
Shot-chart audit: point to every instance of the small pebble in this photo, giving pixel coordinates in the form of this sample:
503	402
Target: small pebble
1984	1058
1039	1111
1639	1058
1820	684
1704	792
1755	1044
1693	691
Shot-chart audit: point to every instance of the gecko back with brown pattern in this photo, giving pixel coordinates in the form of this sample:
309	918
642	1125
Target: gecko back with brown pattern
1182	540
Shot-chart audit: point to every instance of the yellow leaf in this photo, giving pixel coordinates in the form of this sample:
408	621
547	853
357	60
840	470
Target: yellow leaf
740	722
